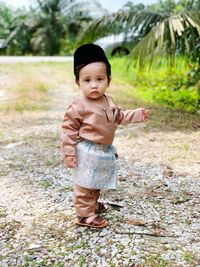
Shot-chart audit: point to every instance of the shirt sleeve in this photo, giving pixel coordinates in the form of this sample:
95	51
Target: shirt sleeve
70	128
130	116
124	117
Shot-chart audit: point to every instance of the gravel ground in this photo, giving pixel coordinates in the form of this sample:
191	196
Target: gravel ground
158	224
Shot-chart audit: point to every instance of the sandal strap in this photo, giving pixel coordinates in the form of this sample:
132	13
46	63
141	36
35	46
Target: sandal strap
97	221
94	220
101	207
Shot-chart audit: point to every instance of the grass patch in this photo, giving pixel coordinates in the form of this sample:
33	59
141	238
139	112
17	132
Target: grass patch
66	188
181	198
81	261
3	212
175	87
53	161
191	258
157	261
133	88
45	184
25	87
30	96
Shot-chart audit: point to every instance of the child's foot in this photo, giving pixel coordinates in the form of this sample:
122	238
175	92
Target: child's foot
101	207
94	221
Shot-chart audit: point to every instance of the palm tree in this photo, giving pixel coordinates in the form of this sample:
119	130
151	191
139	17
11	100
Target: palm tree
78	13
60	20
161	34
48	27
14	30
6	16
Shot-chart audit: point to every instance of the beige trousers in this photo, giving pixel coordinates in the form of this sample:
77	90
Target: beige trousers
85	201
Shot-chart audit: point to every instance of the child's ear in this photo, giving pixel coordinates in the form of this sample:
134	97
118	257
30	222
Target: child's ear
109	80
77	82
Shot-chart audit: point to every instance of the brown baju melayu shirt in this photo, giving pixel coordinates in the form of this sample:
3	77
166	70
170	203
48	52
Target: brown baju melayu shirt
94	120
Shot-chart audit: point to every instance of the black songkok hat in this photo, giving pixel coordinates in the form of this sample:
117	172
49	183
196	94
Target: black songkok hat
89	53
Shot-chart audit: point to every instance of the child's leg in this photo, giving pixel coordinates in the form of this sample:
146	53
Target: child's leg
100	206
85	201
86	205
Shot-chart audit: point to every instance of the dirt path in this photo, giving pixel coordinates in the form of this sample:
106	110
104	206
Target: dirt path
159	182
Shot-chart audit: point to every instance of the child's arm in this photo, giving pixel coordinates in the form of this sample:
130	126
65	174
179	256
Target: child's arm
70	129
132	116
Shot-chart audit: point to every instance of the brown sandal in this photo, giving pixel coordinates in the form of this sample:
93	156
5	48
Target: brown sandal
94	221
101	208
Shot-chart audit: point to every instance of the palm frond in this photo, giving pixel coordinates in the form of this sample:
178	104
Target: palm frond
69	7
161	35
167	38
139	22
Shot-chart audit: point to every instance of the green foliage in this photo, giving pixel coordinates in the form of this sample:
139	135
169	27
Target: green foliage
182	197
48	29
176	87
45	183
188	256
155	260
53	26
6	15
14	30
81	261
172	6
162	33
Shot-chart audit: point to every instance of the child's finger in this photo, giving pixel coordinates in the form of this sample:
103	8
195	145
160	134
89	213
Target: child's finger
74	162
145	114
69	162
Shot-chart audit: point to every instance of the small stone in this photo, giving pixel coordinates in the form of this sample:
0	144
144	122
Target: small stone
34	246
104	232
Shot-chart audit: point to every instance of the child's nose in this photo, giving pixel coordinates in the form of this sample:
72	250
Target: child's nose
94	84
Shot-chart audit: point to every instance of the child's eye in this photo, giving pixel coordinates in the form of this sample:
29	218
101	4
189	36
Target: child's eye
99	79
87	80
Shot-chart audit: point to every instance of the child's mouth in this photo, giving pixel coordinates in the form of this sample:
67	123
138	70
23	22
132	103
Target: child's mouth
94	93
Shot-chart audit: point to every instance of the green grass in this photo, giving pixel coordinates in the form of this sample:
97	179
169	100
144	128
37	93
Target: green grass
3	212
53	161
155	260
45	184
27	86
189	256
175	87
82	261
135	88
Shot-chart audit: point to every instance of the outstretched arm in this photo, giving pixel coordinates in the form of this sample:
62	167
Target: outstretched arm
133	116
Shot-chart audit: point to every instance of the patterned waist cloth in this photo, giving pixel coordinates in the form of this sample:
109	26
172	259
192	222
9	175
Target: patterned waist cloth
96	166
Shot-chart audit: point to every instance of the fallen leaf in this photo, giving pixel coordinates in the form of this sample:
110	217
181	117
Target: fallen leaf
159	232
136	222
168	171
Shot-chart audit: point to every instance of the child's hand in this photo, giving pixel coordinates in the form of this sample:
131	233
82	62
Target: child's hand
70	161
145	114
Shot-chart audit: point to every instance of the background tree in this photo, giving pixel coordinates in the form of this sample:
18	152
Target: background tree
6	15
13	30
47	27
77	16
132	7
50	28
162	34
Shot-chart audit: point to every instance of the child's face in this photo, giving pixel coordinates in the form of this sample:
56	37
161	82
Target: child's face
93	80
